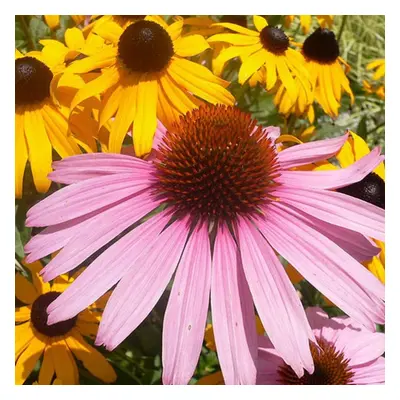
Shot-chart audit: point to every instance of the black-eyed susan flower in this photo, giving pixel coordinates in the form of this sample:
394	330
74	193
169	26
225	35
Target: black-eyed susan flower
266	47
58	345
321	51
40	125
145	75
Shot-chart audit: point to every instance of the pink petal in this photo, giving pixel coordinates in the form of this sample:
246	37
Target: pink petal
232	313
360	347
106	270
338	209
370	373
333	179
139	290
353	243
97	232
277	302
316	317
186	314
84	197
310	152
269	362
325	265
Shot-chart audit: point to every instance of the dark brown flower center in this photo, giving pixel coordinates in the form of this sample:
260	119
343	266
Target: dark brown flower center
331	368
145	46
32	81
321	46
215	164
274	40
370	189
39	317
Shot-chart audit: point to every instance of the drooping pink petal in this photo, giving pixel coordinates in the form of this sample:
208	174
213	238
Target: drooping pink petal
269	361
310	152
84	197
358	246
360	347
106	270
317	317
337	209
186	314
369	373
139	290
161	130
99	231
333	179
232	313
275	297
325	265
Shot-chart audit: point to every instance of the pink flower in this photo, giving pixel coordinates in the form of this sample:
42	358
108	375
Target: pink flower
226	200
348	354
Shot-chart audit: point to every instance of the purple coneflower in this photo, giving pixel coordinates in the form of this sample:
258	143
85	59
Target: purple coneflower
216	203
347	354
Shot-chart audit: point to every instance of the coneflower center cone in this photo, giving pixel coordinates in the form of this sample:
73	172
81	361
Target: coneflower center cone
331	368
321	46
32	81
216	164
145	46
39	317
274	40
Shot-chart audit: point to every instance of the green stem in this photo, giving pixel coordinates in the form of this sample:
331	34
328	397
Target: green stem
25	28
342	28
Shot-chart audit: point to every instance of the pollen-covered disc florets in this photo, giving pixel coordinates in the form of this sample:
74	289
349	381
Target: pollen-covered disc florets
216	163
39	317
331	368
145	46
32	81
321	46
274	40
370	189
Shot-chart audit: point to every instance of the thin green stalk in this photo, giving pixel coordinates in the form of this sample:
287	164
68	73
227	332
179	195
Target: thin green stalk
341	28
25	28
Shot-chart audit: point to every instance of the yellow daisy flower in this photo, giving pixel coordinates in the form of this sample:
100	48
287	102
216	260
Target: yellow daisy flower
379	67
145	76
266	47
53	21
321	51
59	343
40	126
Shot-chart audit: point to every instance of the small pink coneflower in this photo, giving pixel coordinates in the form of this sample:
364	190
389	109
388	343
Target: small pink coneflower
345	354
226	201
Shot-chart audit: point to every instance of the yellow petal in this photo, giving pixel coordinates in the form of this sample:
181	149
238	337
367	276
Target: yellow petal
175	29
126	114
74	38
286	77
18	54
23	336
92	360
237	28
305	22
57	129
157	19
190	45
166	112
39	148
145	119
22	314
109	30
97	86
64	363
47	368
270	66
251	65
103	59
376	267
234	38
53	21
21	154
111	102
196	79
27	360
24	290
259	22
87	328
